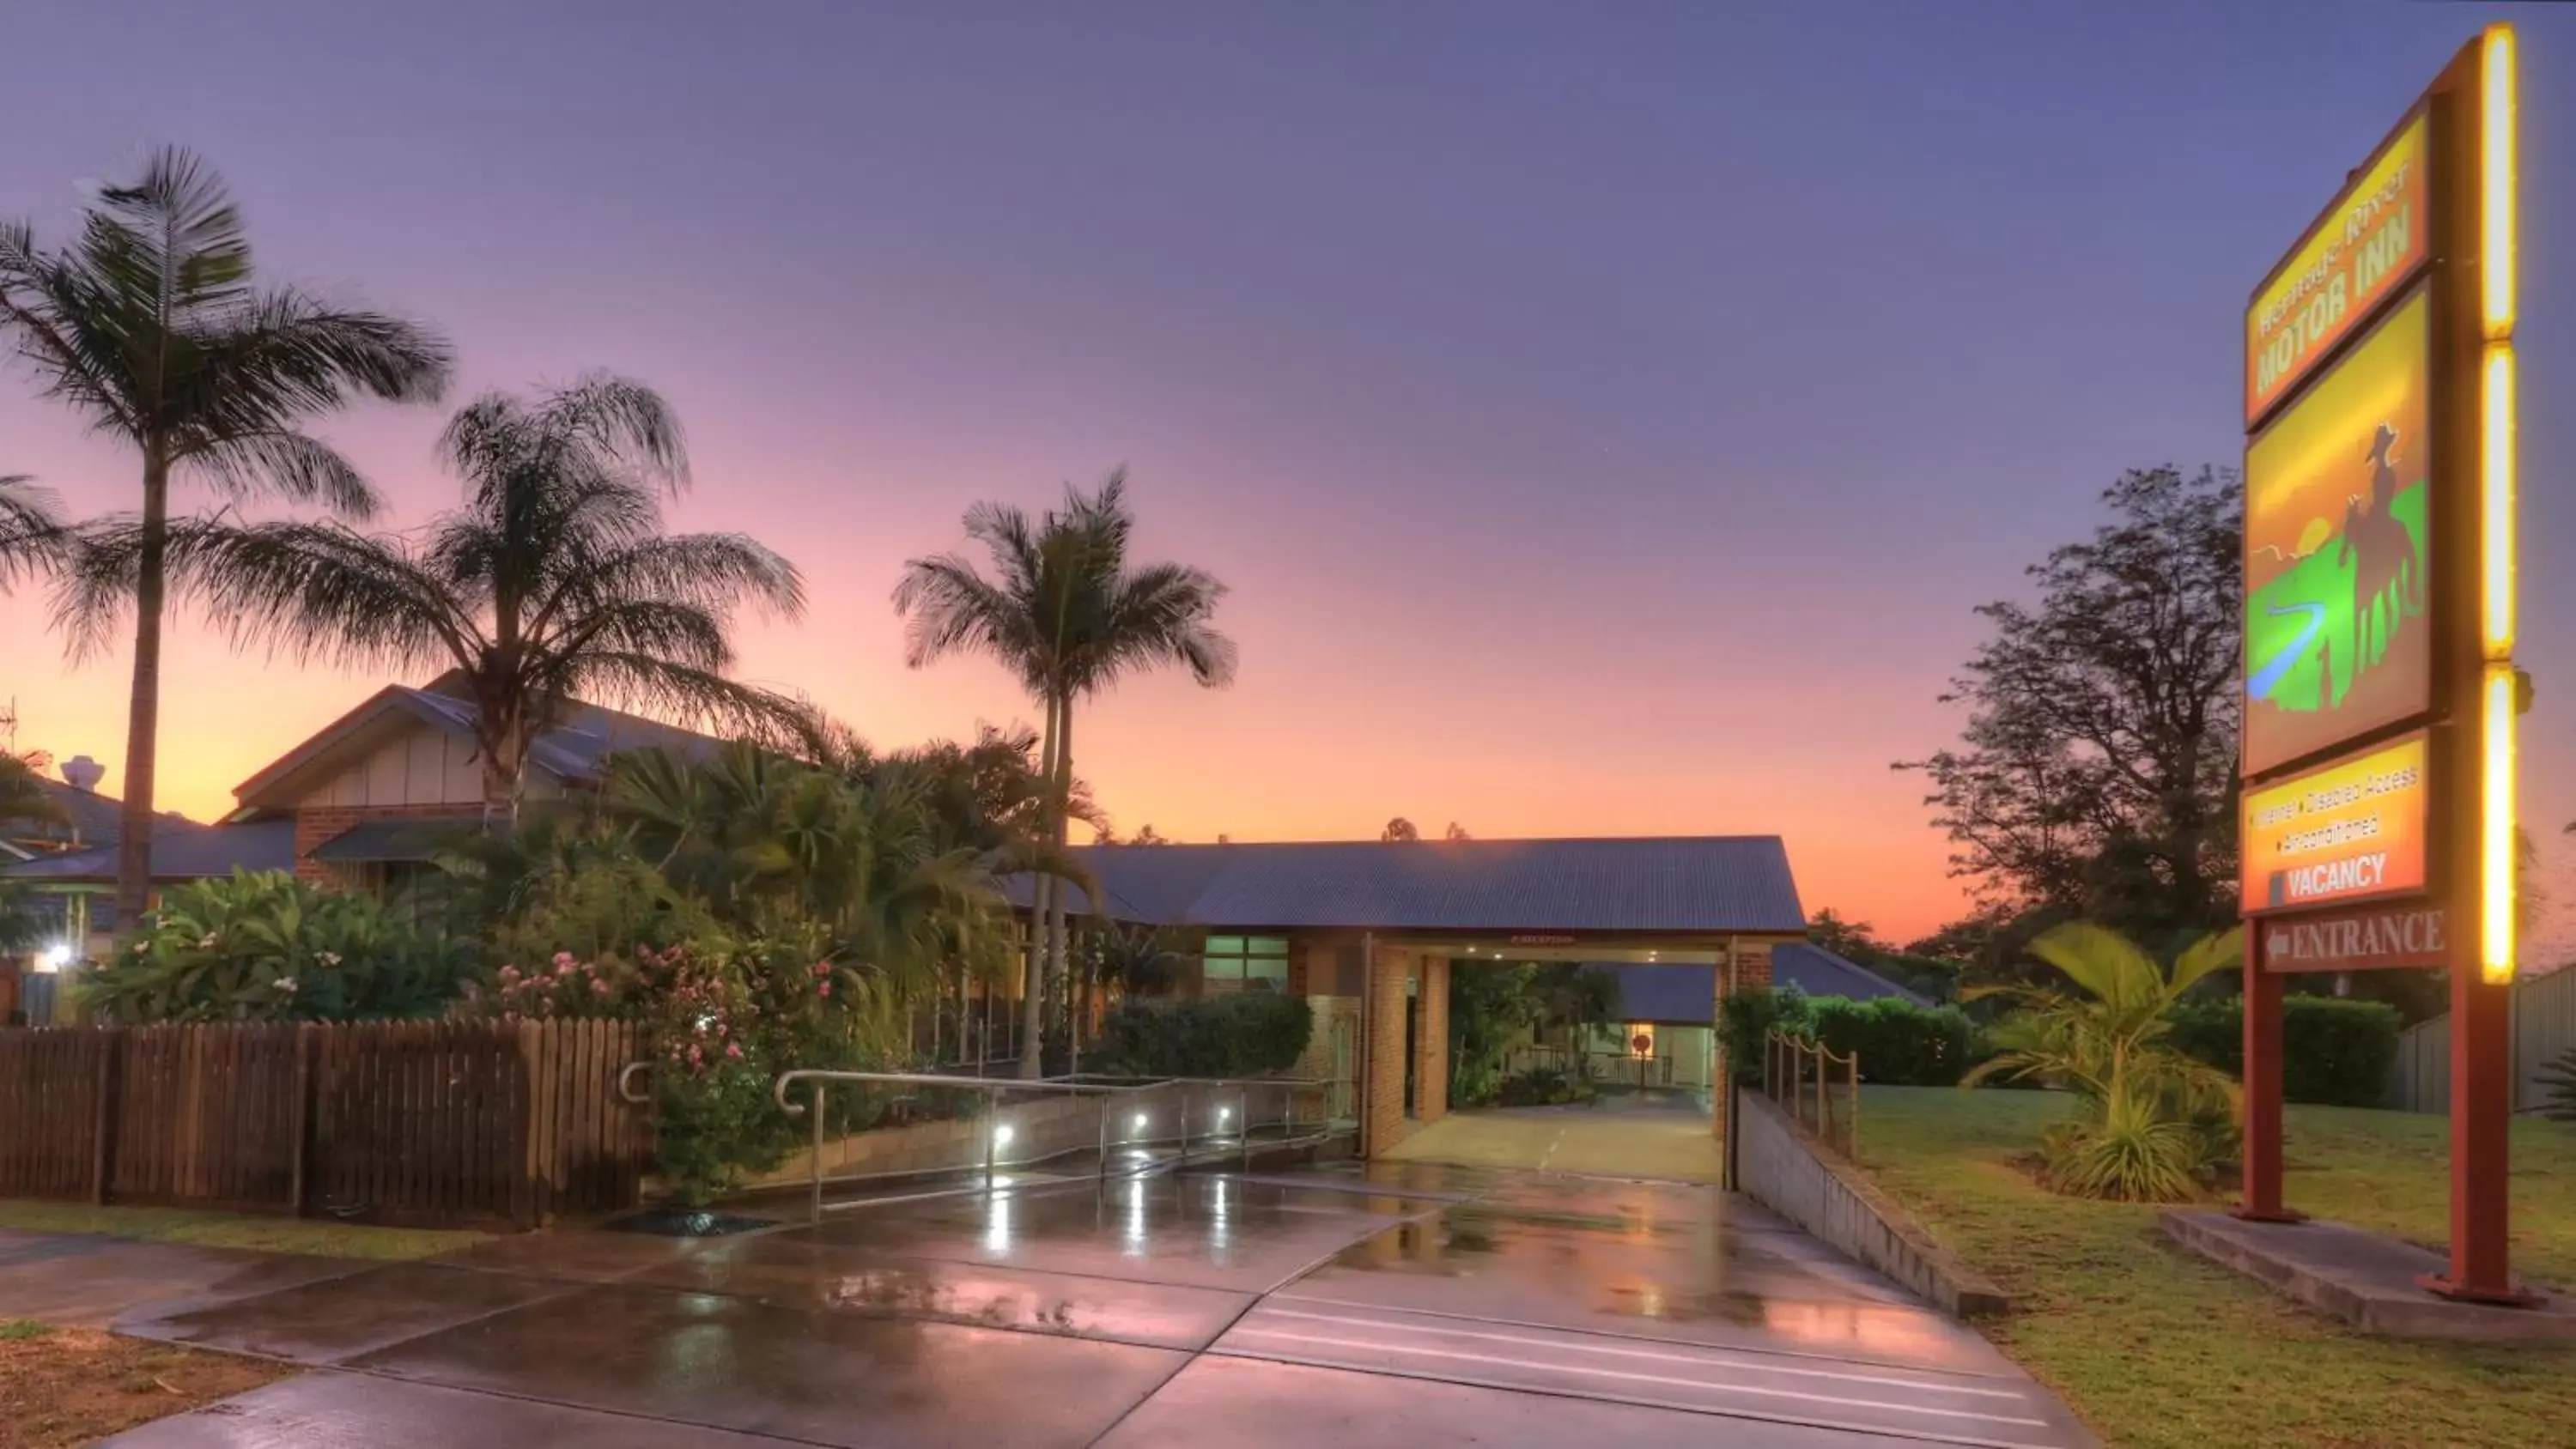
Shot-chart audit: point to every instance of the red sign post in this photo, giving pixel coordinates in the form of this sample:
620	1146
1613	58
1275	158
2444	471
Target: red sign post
2380	697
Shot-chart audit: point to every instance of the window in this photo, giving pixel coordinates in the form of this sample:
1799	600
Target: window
1246	963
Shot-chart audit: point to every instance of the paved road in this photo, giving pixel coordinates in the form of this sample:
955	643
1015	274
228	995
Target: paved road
1668	1137
1397	1304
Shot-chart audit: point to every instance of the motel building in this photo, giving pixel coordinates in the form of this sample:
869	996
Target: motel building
1370	933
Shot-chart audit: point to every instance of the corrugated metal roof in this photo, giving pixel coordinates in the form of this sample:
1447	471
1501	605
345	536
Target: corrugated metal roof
1687	995
1819	972
395	838
190	852
1670	884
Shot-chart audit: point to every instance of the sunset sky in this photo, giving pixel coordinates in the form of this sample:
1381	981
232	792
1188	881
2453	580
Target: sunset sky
1607	417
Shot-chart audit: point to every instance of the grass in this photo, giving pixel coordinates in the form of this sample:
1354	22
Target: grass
2158	1349
232	1230
65	1386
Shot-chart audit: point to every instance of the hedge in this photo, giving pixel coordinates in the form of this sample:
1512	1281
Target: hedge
1900	1042
1247	1034
2334	1051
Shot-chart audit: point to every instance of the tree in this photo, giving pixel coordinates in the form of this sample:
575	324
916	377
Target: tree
32	535
1455	831
149	325
1853	939
552	583
2097	770
1068	615
1399	829
1147	835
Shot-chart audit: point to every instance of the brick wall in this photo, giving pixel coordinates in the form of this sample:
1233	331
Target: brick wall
315	825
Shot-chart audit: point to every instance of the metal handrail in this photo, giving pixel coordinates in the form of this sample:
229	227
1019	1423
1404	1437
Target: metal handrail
819	1080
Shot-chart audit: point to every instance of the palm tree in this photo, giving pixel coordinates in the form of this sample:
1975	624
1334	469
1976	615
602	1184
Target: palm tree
32	535
552	583
2152	1117
149	325
1069	616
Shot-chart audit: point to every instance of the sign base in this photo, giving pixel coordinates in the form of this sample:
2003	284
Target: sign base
2247	1213
2494	1297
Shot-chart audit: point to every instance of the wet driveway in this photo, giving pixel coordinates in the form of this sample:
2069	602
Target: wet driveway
1410	1304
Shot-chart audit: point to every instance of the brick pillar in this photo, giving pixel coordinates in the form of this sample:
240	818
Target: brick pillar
1384	1122
1431	1041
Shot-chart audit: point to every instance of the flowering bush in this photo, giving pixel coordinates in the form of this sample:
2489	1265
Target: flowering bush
269	947
563	987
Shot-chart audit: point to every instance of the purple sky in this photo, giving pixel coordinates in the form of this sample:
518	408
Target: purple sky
1607	416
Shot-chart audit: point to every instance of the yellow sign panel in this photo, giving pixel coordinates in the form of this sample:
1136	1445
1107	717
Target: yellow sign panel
2350	831
2365	247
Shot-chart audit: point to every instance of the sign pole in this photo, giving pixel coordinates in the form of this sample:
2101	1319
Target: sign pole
2262	1194
2481	1114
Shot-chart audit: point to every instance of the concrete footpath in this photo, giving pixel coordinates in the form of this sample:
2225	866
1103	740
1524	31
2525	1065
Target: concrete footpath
1394	1304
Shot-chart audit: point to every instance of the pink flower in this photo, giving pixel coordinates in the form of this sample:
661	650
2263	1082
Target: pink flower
562	957
734	1050
509	974
598	987
822	968
822	988
696	1056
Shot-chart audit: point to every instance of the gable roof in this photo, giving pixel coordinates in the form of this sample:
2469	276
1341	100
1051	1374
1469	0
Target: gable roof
180	851
575	750
1667	884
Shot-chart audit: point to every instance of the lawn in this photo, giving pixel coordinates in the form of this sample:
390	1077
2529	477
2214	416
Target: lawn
65	1386
2157	1348
231	1230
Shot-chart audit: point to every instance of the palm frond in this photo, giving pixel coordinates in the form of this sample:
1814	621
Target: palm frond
32	533
291	465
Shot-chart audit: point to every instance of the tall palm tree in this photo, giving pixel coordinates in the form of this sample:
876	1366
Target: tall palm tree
32	535
1069	615
553	582
148	323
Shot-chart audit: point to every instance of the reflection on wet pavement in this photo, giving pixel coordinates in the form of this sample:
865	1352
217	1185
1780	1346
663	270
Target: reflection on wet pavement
798	1271
1465	1304
827	1378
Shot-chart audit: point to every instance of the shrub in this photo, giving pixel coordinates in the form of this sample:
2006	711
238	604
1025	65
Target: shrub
1541	1087
269	947
2560	1078
2334	1051
1247	1034
1898	1041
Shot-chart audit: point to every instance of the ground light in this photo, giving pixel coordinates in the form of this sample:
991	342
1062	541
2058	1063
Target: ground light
1139	1124
1002	1135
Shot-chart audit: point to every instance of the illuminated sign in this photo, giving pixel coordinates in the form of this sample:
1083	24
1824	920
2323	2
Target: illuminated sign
2366	246
2378	938
2350	831
2339	502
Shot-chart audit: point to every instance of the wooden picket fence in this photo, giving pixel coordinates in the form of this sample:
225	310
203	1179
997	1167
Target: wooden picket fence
447	1123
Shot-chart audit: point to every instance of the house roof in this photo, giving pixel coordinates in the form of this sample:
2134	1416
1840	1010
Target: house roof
1684	884
1819	972
395	838
88	817
574	750
1687	995
180	851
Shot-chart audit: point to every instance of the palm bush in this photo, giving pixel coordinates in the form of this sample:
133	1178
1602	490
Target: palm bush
269	947
2155	1123
2560	1077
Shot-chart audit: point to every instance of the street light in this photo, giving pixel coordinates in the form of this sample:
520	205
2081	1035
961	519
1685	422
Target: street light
56	957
